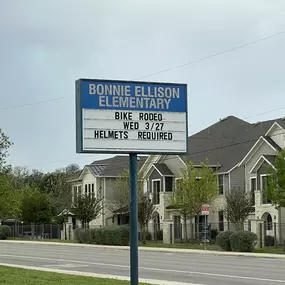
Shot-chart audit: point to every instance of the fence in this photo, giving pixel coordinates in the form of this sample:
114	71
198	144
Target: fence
47	231
272	234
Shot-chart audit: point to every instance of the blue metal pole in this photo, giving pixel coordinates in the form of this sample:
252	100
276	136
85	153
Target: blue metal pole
134	268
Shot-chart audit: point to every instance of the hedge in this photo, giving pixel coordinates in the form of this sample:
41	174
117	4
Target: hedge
243	241
112	235
83	235
223	240
5	232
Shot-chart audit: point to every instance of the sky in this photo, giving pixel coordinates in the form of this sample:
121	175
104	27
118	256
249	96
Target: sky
46	45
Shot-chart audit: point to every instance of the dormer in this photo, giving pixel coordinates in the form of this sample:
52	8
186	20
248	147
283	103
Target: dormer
277	134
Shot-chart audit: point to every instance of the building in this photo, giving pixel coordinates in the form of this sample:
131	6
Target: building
233	146
99	178
241	152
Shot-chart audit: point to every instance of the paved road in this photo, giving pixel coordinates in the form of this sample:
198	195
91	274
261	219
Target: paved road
192	268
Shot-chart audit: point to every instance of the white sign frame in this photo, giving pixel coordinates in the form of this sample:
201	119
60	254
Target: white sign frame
93	108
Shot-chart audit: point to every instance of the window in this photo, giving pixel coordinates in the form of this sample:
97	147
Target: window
156	191
92	189
252	189
264	183
269	224
221	221
221	183
86	189
168	184
89	189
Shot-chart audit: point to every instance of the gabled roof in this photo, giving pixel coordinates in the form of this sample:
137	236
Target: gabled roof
269	159
163	169
256	146
273	143
227	142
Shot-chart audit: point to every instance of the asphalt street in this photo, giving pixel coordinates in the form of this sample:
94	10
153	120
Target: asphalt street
179	267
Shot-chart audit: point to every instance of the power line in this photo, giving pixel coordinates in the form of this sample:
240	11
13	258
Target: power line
168	69
213	55
33	103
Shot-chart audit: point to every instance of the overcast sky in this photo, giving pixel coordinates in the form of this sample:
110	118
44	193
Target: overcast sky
46	45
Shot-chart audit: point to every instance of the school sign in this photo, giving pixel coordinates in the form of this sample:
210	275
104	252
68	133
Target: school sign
131	117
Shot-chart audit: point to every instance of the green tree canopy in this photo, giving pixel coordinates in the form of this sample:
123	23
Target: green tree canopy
35	205
9	198
196	186
238	206
5	144
276	180
87	208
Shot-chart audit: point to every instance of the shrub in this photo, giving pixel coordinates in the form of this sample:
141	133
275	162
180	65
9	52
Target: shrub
243	241
113	235
83	235
5	232
148	236
214	233
269	241
223	240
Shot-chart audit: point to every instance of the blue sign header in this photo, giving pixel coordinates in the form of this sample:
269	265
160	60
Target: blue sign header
130	95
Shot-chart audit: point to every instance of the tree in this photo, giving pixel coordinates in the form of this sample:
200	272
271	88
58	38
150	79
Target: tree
36	206
196	186
87	208
9	199
56	184
121	201
145	208
72	168
5	144
238	206
276	181
121	194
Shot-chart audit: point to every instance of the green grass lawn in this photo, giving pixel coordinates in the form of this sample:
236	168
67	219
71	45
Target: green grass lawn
189	245
17	276
270	249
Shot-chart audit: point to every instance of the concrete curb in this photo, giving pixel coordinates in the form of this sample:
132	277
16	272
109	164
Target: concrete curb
153	249
89	274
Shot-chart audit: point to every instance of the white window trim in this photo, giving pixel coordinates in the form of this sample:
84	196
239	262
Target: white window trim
251	178
261	187
223	183
152	183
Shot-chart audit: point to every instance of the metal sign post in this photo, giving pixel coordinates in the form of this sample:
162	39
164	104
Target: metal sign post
134	268
131	117
205	212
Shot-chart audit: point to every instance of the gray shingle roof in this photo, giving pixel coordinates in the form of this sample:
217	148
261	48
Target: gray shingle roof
118	164
226	142
163	169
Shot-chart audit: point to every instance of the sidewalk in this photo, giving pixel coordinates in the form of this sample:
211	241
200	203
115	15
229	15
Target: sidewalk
154	249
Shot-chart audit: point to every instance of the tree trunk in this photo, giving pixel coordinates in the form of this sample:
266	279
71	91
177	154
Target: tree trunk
197	229
191	229
144	235
185	227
